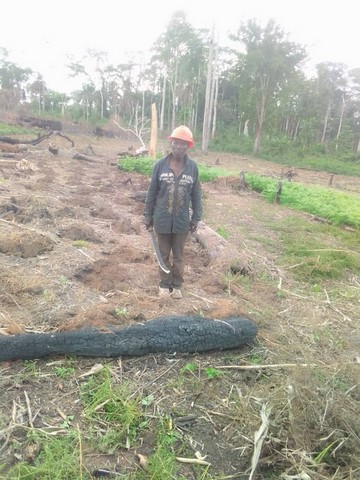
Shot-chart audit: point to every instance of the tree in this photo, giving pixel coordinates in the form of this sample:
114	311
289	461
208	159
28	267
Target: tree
331	93
179	55
208	97
38	90
12	82
95	73
266	67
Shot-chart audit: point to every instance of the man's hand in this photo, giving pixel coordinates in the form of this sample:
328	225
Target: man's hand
193	227
148	225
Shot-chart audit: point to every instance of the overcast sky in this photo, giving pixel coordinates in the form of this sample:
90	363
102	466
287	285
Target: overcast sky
41	34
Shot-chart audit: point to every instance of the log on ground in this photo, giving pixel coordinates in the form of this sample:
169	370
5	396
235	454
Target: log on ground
169	334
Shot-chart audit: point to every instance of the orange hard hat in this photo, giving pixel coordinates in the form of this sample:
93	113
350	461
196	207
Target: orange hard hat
183	133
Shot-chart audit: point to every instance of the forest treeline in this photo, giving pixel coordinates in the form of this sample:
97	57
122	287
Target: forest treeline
252	97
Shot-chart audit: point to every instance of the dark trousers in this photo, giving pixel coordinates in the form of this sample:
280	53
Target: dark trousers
172	243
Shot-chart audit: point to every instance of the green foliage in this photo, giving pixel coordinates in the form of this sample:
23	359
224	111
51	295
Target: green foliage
277	147
58	458
189	367
313	256
64	372
121	312
145	166
80	243
6	129
31	368
223	232
64	281
212	372
162	463
111	406
338	207
255	358
230	141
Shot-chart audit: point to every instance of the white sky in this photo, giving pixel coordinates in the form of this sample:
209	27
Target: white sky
40	34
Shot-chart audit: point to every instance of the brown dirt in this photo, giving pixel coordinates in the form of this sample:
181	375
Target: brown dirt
51	281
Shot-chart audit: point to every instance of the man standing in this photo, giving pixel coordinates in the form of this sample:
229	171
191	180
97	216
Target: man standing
173	207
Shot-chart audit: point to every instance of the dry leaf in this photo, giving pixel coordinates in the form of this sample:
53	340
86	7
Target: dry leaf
143	461
199	456
95	369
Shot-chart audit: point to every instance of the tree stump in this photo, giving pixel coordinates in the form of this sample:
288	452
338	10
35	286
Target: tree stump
278	192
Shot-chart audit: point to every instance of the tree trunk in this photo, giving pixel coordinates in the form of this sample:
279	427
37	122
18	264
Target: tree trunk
216	93
207	110
220	252
325	123
162	112
188	334
153	138
261	109
341	120
174	106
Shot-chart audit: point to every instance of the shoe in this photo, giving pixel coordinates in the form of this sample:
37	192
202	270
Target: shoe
163	292
176	293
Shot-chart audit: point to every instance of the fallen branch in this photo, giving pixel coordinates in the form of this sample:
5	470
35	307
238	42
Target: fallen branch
260	367
279	365
29	409
259	437
36	141
197	461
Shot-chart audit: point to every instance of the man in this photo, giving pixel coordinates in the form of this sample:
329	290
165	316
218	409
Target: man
173	207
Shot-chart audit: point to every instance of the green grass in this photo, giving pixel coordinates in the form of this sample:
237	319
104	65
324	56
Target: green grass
223	232
283	151
108	405
145	166
317	251
337	207
162	463
58	458
80	244
6	129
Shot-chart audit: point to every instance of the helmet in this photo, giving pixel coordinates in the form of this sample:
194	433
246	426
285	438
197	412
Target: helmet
183	133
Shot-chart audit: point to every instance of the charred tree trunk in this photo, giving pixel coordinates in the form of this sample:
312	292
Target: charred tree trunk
168	335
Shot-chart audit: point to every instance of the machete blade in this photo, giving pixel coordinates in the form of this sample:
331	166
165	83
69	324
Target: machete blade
157	252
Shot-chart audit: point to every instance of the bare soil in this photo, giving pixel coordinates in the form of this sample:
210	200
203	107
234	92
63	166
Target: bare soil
73	253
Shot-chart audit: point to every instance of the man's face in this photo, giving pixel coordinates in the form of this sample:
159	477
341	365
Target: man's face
179	147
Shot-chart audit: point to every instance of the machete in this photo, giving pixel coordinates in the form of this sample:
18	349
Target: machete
157	252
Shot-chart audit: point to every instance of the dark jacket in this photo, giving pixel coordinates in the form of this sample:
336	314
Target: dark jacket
169	198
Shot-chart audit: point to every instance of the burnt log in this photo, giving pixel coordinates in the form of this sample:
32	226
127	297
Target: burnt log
103	132
169	334
40	123
36	141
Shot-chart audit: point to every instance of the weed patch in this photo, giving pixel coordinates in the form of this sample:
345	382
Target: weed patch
111	407
55	458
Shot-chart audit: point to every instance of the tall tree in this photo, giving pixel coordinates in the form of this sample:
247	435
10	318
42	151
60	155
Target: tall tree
12	81
38	90
208	96
178	54
270	60
331	92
